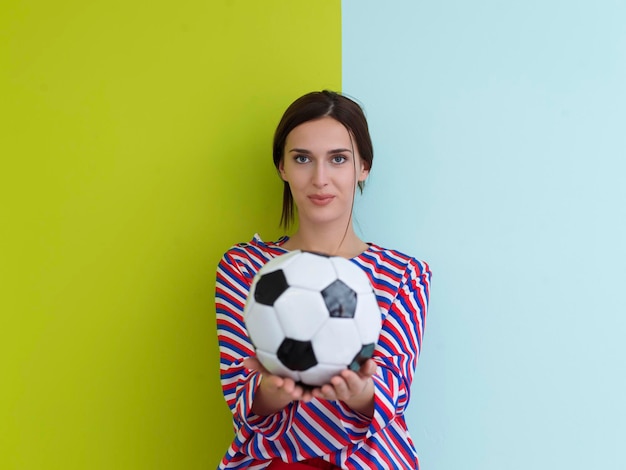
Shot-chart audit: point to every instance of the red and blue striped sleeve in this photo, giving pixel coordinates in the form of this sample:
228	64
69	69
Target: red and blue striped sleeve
238	383
399	345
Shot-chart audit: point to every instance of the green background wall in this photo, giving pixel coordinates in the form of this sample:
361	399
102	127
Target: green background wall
135	148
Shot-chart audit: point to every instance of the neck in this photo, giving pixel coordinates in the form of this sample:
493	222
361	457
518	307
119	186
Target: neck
326	240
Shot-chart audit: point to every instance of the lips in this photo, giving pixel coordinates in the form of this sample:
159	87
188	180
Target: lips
321	199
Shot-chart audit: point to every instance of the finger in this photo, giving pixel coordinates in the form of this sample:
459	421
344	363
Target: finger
342	388
368	368
326	392
288	385
296	393
352	380
308	395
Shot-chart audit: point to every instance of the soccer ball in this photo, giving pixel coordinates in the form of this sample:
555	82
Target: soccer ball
310	316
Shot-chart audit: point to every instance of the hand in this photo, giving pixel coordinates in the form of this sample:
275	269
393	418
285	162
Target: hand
274	392
356	389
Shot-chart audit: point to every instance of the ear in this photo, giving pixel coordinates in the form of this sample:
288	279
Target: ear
281	170
363	174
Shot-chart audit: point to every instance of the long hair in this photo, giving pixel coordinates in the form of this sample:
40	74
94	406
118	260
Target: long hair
312	106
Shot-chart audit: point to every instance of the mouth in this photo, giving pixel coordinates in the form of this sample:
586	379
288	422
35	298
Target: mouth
321	199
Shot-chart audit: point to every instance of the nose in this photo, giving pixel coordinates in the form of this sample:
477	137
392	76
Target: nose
320	176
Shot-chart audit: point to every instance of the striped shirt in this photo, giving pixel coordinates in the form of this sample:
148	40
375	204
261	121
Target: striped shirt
323	428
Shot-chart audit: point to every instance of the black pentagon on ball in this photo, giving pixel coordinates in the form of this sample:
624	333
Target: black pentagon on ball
364	354
340	300
269	287
296	355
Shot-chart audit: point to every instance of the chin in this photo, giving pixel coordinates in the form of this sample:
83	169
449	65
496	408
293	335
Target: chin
325	219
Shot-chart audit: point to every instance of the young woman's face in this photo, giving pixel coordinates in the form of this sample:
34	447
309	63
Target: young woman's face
321	170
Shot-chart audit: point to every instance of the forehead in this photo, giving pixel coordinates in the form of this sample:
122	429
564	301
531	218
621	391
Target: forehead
319	133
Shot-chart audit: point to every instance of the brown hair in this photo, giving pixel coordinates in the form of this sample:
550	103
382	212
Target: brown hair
316	105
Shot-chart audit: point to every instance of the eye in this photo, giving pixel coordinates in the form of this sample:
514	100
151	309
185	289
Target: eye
339	159
301	159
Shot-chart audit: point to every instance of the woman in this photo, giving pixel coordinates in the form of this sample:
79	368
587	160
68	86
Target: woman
323	153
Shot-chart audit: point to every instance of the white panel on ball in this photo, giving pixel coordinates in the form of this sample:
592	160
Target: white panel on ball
301	313
337	342
263	327
353	276
368	317
320	374
309	270
279	262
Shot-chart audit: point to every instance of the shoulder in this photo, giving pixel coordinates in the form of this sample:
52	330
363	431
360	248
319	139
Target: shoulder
250	256
397	275
394	261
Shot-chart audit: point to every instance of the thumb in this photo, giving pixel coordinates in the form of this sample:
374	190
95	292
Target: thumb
368	368
252	363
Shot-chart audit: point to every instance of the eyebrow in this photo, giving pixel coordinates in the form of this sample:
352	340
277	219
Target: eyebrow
340	150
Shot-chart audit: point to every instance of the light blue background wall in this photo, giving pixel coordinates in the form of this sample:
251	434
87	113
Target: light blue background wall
500	139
